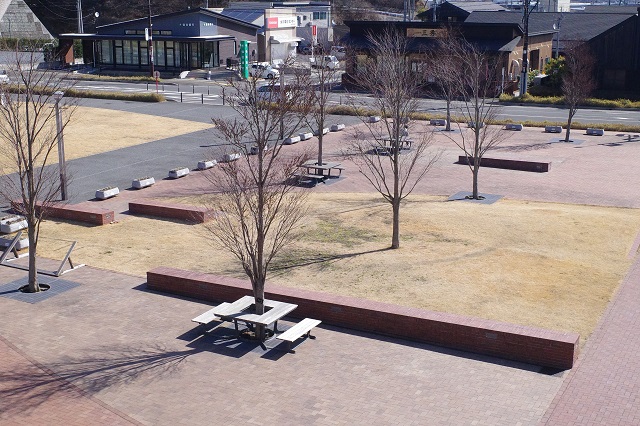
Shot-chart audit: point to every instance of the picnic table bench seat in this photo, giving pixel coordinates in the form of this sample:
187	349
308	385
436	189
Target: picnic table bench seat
211	315
303	327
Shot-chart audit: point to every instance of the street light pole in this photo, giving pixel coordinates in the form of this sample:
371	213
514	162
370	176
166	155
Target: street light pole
57	96
556	26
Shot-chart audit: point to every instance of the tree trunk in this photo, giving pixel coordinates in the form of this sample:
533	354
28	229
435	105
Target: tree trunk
476	170
395	239
448	126
258	295
567	136
320	136
34	286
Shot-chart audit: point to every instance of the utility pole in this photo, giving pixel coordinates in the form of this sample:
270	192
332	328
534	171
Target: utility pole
80	24
525	46
150	42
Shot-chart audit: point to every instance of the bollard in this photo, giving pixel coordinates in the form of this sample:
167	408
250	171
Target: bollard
180	97
147	87
208	91
193	88
202	98
163	87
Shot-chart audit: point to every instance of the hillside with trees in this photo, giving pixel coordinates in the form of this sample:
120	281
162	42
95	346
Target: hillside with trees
60	16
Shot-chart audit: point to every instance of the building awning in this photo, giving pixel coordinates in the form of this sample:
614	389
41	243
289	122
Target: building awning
156	37
281	40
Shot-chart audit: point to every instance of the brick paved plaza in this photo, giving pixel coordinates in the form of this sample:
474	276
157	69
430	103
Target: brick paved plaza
107	351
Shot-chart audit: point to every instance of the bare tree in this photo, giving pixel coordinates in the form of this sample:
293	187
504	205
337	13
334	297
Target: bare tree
29	134
441	71
317	99
478	88
577	80
379	150
257	210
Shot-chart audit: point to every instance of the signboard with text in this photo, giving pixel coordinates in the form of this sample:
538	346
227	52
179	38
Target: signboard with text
426	32
282	22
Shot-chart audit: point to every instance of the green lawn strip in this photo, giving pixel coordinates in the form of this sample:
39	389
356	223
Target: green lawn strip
613	127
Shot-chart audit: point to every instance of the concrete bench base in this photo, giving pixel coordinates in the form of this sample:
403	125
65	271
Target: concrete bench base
515	342
501	163
595	132
515	127
553	129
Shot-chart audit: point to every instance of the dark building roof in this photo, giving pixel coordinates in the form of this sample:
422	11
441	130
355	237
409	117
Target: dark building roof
573	25
201	10
460	8
625	10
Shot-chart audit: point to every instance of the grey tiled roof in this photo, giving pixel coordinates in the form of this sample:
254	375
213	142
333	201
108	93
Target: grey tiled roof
574	25
471	6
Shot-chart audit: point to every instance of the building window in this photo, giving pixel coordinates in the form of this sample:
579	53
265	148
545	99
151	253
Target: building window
118	51
166	32
130	32
319	15
169	47
159	53
144	53
127	51
106	54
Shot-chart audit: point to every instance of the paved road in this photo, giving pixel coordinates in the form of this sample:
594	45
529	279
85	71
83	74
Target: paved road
121	166
210	93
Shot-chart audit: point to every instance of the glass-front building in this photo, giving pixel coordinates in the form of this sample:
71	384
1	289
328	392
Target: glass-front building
191	39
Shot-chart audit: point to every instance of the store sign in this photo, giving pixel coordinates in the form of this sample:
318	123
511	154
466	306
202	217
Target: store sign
282	22
426	32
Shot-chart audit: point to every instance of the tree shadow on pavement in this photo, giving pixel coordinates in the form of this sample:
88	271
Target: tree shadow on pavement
29	385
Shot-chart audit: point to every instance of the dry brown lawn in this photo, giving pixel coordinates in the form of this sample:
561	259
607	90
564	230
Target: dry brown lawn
94	130
549	265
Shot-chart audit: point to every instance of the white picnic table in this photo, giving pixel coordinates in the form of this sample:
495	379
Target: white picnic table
238	311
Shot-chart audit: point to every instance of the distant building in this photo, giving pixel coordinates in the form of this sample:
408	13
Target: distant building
186	40
613	34
500	39
307	13
456	11
18	21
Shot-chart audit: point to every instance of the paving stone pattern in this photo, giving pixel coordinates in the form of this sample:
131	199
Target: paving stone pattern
138	353
108	352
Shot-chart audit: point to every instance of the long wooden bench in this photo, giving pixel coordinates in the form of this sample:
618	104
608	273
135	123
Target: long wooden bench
503	163
294	333
304	178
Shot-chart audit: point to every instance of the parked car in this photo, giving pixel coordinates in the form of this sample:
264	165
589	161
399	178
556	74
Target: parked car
271	93
264	70
338	51
327	61
4	78
318	49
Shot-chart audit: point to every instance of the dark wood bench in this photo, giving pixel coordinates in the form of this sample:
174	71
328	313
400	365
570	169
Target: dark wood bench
294	333
309	178
502	163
